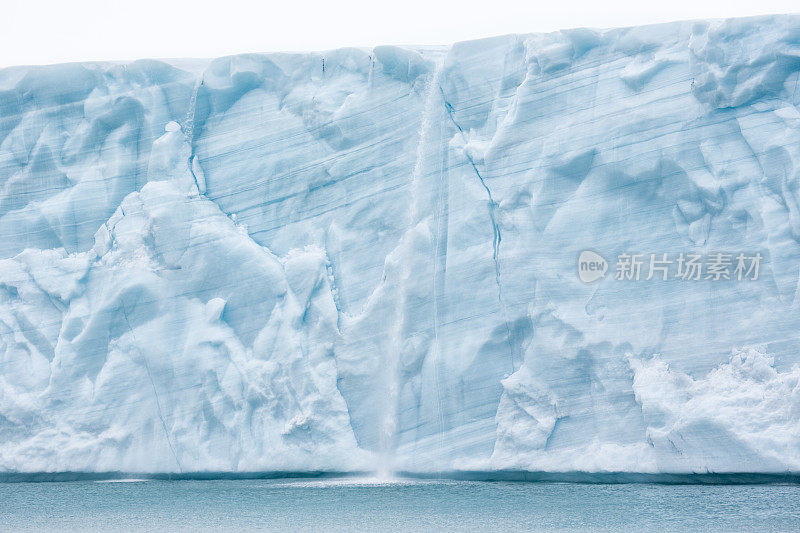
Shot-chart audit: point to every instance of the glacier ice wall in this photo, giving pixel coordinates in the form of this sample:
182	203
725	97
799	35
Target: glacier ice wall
366	259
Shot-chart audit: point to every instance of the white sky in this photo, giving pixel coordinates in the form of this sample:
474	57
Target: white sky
51	31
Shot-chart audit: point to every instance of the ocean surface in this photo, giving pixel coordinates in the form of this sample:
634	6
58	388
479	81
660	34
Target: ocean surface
410	505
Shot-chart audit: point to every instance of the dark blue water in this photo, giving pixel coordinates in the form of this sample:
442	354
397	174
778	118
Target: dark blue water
367	505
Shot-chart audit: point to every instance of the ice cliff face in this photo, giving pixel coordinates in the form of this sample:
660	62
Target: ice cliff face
366	259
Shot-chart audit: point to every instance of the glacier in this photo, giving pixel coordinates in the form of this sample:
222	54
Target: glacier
365	260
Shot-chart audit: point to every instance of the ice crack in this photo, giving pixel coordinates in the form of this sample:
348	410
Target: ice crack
155	393
497	237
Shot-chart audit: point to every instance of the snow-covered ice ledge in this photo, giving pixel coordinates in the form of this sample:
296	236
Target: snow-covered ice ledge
364	260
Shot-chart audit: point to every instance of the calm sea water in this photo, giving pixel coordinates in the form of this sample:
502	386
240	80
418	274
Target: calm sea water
363	504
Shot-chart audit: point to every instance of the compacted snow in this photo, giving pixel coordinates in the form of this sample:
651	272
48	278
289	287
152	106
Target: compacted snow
367	259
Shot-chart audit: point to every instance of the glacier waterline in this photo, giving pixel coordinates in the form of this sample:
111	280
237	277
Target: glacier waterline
269	265
380	476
